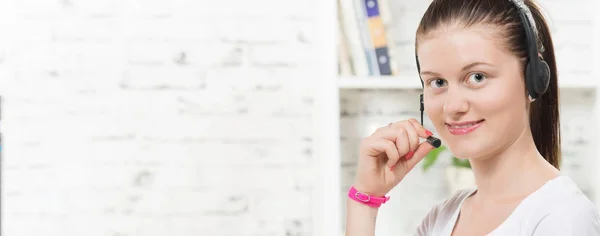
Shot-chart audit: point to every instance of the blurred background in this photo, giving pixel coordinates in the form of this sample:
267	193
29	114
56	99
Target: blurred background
232	117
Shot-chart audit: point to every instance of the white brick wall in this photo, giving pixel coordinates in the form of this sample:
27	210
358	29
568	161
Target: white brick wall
158	117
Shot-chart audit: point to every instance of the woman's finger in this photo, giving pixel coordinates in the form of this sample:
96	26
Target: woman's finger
423	133
422	151
413	138
397	134
379	145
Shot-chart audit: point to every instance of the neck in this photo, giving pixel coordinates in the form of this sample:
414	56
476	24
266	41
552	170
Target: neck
515	171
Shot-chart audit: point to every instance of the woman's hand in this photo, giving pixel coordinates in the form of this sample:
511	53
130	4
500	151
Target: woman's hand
389	154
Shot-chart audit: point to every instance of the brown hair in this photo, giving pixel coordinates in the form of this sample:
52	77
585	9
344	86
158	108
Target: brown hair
544	112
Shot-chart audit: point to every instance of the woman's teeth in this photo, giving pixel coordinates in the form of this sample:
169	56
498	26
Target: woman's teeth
462	126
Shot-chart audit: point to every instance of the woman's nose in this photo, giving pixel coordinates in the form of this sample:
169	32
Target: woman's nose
455	102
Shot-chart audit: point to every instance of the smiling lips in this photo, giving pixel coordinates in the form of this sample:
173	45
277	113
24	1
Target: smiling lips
463	127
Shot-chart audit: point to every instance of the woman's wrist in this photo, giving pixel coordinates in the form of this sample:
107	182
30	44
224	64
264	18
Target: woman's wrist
371	200
363	208
368	191
360	219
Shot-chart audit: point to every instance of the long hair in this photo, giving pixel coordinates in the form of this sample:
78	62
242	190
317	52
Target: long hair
544	112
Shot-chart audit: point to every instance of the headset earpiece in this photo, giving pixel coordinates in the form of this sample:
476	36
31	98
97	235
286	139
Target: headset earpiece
537	72
537	78
543	77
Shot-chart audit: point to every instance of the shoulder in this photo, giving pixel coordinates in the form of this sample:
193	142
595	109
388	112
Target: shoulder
575	218
566	210
441	213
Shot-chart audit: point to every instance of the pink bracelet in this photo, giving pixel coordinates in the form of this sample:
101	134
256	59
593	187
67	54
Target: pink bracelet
372	201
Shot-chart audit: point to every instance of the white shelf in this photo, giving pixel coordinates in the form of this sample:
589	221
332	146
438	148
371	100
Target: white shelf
412	82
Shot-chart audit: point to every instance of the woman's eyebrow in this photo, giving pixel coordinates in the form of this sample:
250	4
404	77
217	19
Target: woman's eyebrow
474	64
465	68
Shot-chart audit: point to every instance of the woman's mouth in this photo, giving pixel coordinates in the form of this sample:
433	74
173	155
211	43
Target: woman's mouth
461	128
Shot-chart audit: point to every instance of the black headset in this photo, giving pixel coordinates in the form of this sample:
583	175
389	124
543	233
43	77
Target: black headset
537	72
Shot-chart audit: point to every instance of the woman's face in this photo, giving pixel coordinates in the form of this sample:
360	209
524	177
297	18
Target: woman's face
474	91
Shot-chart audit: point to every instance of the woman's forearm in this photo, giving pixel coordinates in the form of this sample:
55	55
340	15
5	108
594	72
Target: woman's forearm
360	219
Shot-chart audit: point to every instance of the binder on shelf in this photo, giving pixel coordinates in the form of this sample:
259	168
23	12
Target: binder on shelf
367	44
378	36
362	23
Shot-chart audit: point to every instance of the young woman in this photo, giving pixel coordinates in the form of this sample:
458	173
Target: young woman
490	90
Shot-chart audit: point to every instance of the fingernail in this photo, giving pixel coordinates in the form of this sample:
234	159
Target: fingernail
429	133
409	155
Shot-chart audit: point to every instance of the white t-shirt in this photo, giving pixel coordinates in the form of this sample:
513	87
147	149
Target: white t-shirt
557	208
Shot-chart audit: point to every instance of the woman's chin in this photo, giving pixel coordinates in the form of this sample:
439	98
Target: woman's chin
464	151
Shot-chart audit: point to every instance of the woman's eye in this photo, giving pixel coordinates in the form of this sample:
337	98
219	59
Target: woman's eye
476	78
436	83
